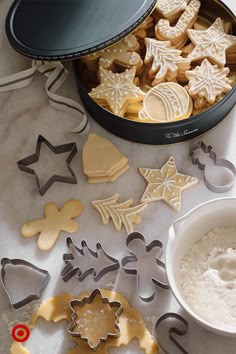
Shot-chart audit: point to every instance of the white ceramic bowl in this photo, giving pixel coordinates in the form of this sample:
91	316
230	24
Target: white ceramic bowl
184	233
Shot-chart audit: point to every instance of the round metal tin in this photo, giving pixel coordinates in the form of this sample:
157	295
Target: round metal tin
67	29
173	132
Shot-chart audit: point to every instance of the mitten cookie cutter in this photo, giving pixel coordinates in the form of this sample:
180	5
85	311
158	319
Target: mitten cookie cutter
217	162
134	271
177	326
31	297
60	149
69	271
89	300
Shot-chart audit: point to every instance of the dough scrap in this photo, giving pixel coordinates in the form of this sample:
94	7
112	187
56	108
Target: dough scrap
131	324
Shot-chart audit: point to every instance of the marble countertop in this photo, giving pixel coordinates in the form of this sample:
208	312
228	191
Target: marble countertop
25	114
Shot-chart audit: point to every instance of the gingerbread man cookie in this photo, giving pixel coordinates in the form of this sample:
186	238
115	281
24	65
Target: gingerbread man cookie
122	53
49	227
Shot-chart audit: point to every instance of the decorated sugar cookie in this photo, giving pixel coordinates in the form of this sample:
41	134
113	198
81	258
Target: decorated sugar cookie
177	34
166	61
122	53
166	184
171	9
166	102
211	44
207	82
117	90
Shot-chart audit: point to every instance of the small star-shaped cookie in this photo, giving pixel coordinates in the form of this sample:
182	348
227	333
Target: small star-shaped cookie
211	44
117	90
166	184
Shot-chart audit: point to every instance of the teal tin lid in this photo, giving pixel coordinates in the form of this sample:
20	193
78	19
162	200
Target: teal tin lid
68	29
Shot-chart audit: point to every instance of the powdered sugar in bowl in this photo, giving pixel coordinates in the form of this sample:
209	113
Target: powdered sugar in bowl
201	264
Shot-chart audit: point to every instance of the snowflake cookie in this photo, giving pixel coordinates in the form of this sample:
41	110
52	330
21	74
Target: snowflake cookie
208	82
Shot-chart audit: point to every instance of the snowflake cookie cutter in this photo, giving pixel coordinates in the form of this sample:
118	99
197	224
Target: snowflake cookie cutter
147	292
167	327
30	297
217	162
71	270
59	149
88	301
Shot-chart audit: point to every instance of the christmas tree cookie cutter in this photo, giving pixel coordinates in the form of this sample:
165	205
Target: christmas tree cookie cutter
146	291
30	297
167	327
73	327
217	162
60	149
74	262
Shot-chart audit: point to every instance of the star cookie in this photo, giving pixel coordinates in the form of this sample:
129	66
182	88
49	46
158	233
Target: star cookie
117	90
166	61
211	44
166	184
207	82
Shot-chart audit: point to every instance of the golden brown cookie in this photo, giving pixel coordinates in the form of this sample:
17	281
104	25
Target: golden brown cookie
171	9
177	34
166	184
166	61
117	90
207	82
211	44
166	102
55	221
122	53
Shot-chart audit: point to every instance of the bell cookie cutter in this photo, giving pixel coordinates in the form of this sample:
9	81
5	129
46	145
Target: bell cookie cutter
77	254
89	300
31	297
60	149
134	271
217	162
167	326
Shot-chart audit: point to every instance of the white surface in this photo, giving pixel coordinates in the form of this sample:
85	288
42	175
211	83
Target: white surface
25	114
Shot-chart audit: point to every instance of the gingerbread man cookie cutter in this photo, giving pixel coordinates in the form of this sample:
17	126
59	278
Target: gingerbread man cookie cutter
167	327
73	327
60	149
145	277
30	297
217	162
74	262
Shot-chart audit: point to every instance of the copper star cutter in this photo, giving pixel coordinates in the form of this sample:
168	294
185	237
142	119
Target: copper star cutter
203	166
95	319
144	262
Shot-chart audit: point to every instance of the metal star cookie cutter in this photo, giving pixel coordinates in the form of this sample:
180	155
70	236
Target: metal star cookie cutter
167	326
133	258
89	300
217	162
76	252
24	163
31	297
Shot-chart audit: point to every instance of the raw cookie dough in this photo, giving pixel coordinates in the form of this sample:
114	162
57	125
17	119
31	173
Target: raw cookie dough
131	324
55	220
